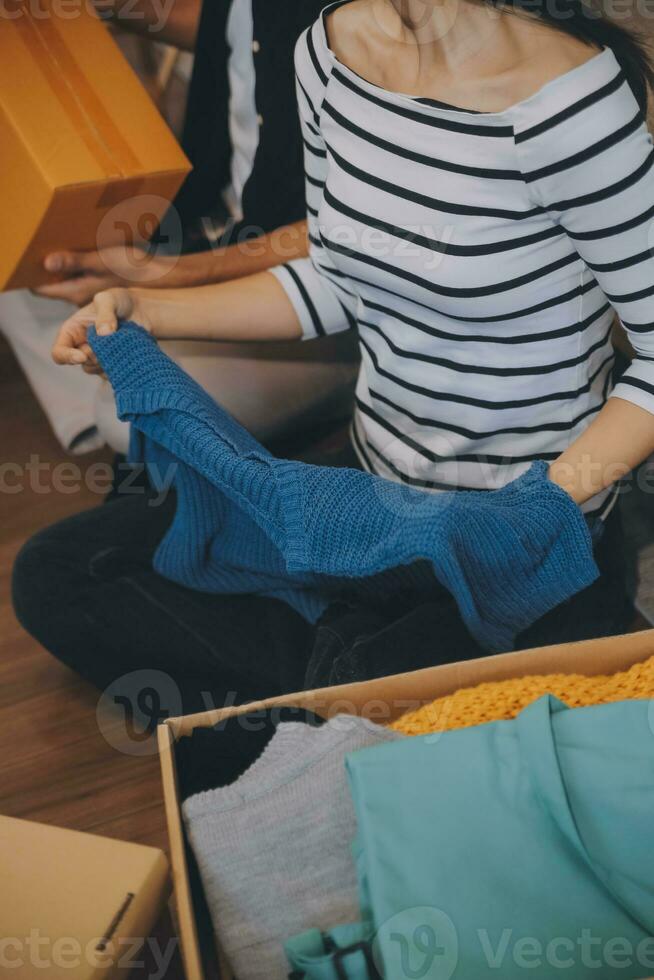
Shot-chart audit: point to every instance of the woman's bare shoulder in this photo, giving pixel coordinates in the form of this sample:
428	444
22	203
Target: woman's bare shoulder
544	53
348	26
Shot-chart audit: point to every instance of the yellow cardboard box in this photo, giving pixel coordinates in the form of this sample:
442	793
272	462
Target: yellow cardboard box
85	157
75	906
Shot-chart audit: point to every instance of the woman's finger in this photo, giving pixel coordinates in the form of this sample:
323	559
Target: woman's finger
92	365
66	348
107	310
93	369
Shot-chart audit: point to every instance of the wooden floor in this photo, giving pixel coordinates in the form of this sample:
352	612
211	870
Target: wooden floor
55	766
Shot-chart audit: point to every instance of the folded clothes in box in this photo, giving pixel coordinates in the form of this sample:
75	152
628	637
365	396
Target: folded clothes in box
386	701
511	846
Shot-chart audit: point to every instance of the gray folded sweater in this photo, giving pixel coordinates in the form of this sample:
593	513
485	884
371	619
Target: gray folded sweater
273	848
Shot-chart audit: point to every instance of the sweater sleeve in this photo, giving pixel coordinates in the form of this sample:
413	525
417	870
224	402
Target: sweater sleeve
590	164
320	294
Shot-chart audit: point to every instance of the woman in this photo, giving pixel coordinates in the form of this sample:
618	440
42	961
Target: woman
480	187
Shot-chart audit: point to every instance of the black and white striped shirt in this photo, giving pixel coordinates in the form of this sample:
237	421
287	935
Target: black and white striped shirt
479	256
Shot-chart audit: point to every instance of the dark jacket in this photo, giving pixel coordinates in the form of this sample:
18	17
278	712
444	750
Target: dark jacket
274	194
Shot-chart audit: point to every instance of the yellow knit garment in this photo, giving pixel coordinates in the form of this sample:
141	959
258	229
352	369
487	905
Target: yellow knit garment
502	700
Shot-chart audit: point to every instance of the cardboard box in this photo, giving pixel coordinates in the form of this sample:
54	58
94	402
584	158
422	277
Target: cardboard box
380	700
85	158
75	906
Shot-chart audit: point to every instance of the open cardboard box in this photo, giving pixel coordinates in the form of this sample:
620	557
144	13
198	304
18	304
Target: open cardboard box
380	700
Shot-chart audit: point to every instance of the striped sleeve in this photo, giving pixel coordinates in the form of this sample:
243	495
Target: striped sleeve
591	164
319	293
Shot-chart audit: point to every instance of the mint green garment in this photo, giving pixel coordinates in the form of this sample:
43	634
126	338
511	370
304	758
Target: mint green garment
512	850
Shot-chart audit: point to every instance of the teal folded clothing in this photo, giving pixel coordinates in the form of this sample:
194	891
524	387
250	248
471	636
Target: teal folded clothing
249	523
513	849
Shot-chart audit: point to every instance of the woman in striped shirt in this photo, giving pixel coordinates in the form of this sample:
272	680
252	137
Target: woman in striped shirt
480	192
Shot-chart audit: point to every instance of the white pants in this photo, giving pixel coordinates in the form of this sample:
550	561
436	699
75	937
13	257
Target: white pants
67	395
267	387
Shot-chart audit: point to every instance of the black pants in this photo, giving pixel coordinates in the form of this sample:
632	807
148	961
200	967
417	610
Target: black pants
86	590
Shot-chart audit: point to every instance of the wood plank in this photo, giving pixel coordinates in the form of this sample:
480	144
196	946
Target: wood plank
55	764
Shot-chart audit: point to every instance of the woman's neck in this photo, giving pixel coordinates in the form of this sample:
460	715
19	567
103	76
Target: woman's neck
446	33
467	53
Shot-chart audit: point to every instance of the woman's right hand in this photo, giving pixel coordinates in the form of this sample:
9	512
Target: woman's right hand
106	309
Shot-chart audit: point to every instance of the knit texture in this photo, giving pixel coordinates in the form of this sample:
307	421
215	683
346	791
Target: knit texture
503	700
273	849
249	523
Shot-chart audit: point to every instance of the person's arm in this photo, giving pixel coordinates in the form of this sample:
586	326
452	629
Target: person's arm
251	309
88	273
593	170
617	441
324	299
172	22
305	298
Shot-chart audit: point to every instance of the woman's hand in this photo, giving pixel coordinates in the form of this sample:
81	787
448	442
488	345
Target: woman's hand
106	309
618	439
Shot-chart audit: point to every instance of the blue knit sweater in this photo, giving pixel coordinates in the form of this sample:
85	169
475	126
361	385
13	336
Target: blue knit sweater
249	523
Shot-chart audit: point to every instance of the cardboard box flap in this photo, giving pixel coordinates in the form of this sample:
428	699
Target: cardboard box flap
387	698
